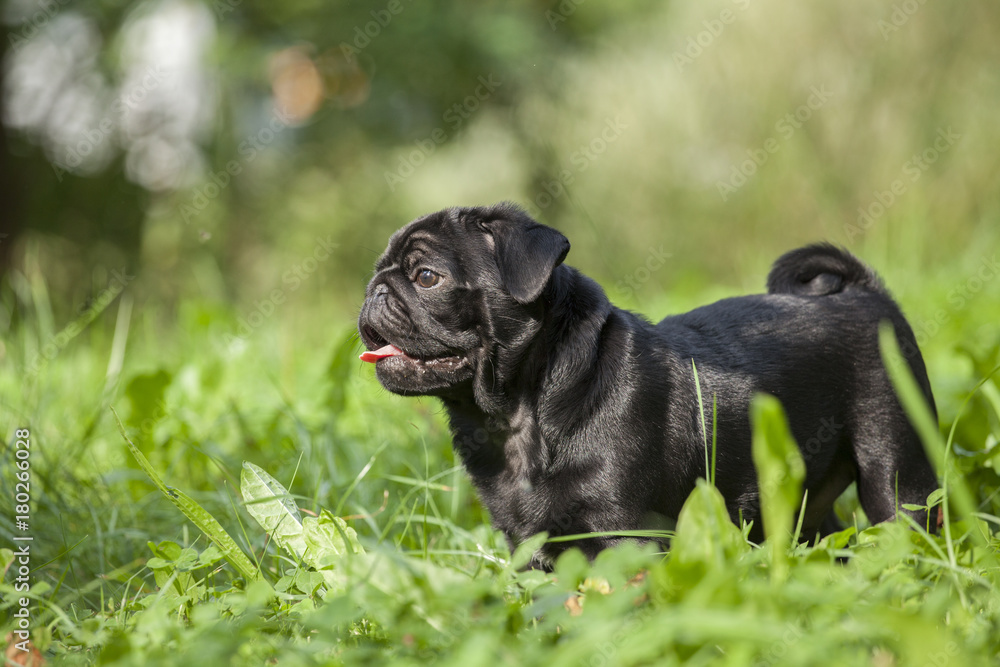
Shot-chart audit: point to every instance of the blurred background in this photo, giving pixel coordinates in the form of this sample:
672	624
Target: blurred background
193	193
206	146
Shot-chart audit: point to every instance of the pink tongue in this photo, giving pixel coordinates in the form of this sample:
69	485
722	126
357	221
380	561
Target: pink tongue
374	355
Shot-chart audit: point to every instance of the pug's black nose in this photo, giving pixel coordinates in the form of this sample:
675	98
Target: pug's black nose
381	290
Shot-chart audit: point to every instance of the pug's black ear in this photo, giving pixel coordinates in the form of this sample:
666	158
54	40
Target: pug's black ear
526	254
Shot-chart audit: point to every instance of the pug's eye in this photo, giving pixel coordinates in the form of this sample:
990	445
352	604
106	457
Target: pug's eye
427	278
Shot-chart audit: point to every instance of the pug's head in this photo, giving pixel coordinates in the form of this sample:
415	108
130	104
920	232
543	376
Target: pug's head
455	300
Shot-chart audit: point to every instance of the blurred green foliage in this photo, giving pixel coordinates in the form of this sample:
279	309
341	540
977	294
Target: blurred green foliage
619	124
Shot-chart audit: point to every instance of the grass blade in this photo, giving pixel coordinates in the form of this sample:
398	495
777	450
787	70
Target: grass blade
197	514
701	411
780	472
926	426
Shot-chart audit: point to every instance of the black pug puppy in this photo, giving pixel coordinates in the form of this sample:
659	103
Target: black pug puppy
574	416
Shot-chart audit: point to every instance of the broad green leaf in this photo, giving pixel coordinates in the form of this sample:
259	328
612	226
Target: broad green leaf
706	535
308	581
320	542
268	502
210	556
197	514
170	564
166	549
838	540
571	568
881	546
780	472
329	539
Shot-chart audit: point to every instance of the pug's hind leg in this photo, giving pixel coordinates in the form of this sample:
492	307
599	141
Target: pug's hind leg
893	469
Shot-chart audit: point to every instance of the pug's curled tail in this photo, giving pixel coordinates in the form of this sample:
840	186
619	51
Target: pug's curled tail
820	269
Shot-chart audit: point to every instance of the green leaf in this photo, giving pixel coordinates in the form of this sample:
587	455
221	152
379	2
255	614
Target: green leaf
308	581
838	540
169	564
329	539
159	564
166	549
210	556
214	531
320	542
706	536
197	514
780	469
780	472
269	504
188	559
571	568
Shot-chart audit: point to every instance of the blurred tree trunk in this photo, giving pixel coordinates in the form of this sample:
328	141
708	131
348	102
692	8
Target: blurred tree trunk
11	187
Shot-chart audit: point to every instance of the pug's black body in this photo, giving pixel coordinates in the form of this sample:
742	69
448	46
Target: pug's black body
574	416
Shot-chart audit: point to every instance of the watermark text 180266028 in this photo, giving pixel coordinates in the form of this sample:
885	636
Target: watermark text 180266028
21	566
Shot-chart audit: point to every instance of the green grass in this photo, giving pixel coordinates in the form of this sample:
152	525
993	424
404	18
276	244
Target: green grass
122	576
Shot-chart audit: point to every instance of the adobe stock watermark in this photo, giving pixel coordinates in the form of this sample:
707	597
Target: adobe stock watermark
30	27
629	284
364	35
606	653
901	14
945	657
958	298
120	278
453	118
291	281
565	9
785	128
108	125
149	424
696	44
775	653
251	146
580	160
909	173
